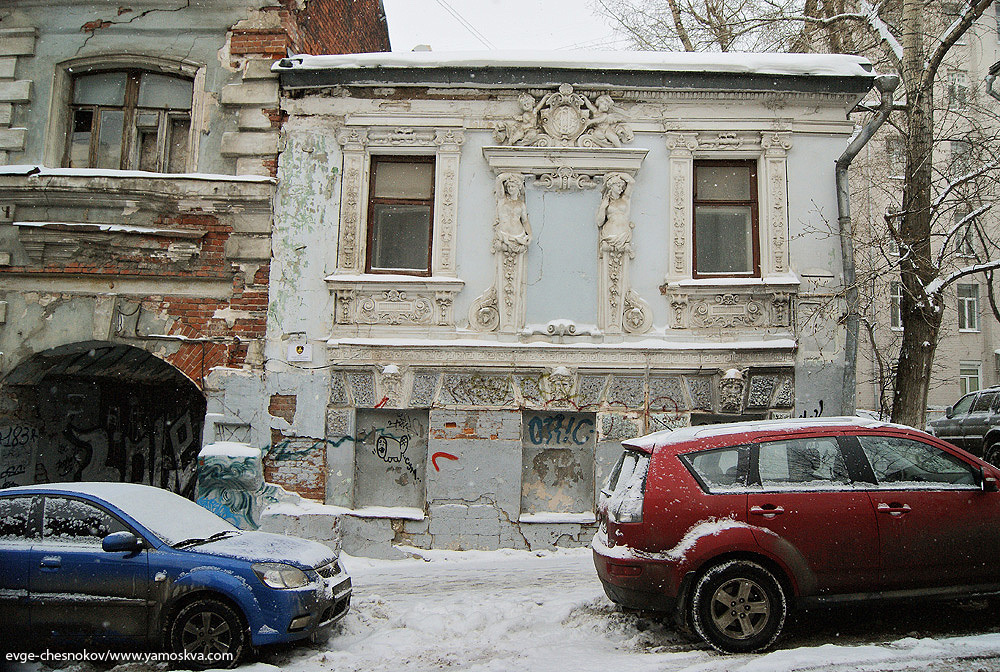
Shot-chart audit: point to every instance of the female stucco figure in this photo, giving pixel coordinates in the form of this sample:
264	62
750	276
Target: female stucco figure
613	214
511	231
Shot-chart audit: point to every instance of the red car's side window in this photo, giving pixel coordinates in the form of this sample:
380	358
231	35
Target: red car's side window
720	470
897	459
816	460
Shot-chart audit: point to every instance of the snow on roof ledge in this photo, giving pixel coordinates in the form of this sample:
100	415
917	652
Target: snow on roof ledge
35	170
829	65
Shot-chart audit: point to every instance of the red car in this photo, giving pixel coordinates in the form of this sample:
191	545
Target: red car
730	526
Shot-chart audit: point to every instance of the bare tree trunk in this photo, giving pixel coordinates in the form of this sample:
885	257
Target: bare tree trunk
682	33
805	41
921	314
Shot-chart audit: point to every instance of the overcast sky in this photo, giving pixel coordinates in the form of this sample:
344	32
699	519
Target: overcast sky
502	24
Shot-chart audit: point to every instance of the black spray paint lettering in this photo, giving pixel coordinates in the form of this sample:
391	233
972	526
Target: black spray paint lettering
17	435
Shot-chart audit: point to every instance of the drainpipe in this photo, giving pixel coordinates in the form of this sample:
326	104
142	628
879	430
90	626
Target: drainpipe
885	84
994	71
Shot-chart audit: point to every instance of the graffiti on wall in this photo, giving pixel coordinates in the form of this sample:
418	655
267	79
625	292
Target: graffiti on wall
391	457
233	488
560	428
558	462
18	444
97	431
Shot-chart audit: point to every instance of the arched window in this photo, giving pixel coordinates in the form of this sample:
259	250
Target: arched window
129	119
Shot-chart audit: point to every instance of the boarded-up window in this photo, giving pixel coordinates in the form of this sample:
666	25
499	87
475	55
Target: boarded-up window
390	458
558	463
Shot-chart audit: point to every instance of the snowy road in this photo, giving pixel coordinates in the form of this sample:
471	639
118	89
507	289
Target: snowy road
514	610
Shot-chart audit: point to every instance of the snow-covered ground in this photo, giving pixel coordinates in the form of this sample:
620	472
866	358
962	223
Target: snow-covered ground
546	612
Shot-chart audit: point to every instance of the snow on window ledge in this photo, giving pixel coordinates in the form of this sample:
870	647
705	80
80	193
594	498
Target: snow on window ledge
400	512
557	517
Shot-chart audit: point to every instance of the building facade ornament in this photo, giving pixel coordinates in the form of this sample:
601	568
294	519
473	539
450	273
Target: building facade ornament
558	388
706	307
621	309
731	389
770	149
565	118
371	300
389	382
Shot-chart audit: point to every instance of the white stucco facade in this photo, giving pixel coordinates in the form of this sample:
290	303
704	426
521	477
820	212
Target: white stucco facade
518	360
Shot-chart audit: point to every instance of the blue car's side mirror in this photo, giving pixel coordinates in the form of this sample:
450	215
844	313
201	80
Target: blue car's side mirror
121	542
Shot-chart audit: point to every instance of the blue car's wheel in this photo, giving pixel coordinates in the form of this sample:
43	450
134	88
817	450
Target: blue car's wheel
210	632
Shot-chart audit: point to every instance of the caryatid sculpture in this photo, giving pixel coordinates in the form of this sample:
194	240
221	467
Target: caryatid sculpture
512	230
613	220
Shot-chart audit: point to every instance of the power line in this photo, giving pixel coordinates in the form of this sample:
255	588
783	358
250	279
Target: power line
468	26
597	43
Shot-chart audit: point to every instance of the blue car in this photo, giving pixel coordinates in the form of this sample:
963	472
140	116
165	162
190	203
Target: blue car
85	564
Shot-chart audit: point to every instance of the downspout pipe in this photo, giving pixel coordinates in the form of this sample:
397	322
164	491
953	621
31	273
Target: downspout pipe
991	77
886	85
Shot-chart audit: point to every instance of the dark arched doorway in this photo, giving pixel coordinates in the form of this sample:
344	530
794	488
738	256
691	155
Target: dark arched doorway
100	411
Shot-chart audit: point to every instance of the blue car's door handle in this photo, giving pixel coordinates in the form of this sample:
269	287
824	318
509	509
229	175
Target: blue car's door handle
51	562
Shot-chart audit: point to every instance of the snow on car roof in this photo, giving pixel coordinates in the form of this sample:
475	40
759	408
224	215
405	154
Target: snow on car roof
668	437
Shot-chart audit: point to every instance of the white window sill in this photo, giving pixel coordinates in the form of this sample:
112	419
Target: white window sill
969	331
785	280
550	517
395	280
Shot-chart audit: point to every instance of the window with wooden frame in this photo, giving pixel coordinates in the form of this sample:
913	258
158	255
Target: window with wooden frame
130	120
726	239
400	215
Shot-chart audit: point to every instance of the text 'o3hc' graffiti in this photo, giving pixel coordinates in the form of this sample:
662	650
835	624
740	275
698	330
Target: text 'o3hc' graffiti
559	429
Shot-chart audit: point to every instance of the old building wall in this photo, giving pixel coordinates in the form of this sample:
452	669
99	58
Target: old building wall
138	145
481	403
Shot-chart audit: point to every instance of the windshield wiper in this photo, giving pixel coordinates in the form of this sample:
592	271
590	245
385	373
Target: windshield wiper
195	541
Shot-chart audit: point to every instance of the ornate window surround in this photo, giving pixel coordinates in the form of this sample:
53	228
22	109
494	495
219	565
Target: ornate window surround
770	149
365	299
728	303
62	86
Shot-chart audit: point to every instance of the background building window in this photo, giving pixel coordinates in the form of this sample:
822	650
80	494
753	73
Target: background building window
968	307
969	377
895	149
400	215
961	158
130	119
725	219
895	305
958	90
965	236
558	462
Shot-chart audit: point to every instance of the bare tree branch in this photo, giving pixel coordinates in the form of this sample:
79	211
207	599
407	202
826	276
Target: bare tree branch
952	35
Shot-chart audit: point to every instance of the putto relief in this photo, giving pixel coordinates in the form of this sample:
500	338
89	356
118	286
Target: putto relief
565	118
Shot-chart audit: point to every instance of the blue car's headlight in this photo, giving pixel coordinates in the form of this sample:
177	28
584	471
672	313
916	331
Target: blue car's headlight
279	575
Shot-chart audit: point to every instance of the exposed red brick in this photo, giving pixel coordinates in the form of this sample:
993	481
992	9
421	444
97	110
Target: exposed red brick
96	24
282	406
